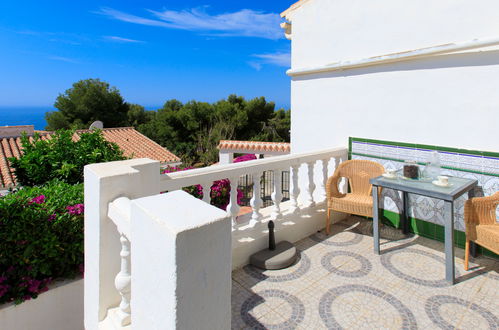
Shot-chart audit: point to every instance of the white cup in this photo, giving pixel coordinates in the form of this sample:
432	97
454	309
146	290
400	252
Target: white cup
443	180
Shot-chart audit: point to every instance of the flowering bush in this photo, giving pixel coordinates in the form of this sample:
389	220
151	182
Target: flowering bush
220	190
41	239
244	158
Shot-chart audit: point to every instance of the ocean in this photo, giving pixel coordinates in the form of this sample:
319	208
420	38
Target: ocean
15	115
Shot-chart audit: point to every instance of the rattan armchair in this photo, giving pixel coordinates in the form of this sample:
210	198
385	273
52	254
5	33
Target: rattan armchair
359	201
481	224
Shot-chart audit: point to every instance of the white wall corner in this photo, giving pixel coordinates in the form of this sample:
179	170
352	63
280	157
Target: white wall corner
103	183
225	157
181	256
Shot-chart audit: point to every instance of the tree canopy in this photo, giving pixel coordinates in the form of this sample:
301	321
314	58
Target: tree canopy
190	130
87	101
193	130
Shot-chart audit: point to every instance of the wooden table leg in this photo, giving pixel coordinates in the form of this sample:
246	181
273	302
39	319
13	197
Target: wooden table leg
449	241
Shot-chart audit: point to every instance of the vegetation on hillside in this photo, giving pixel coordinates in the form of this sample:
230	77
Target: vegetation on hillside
190	130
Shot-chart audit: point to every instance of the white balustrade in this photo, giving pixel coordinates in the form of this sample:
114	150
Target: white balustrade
295	190
311	184
256	200
325	164
145	172
122	282
179	180
277	195
233	207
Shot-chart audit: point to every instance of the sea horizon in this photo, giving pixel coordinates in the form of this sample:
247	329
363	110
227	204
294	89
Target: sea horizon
31	115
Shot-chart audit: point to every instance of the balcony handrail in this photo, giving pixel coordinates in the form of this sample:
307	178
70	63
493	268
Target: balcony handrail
177	180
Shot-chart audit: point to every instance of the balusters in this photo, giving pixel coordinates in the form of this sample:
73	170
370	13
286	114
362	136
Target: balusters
295	191
207	192
256	200
277	195
311	184
233	208
325	164
122	282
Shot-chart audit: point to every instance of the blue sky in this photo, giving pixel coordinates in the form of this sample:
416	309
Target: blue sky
151	51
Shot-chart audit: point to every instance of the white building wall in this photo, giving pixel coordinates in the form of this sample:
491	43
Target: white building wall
449	100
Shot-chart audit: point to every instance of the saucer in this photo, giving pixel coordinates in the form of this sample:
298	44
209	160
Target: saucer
389	176
437	183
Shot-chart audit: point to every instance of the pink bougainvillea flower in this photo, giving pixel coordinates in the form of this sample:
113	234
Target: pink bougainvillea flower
75	209
52	217
38	200
244	158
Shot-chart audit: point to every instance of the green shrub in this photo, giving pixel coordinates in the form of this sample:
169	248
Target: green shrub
61	158
41	238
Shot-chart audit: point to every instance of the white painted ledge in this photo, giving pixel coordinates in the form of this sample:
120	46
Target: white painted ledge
60	308
397	57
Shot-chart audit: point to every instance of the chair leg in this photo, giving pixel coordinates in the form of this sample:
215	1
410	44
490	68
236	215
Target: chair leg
466	254
328	221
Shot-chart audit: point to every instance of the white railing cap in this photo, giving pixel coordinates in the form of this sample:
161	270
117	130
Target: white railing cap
209	174
178	211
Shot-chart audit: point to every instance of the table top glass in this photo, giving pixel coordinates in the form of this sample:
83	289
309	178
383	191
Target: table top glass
458	186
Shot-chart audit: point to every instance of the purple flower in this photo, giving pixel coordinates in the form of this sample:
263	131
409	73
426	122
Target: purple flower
3	289
38	200
52	217
33	285
244	158
75	209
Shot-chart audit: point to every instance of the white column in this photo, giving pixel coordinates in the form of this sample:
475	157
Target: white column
104	183
311	184
122	282
233	208
256	200
295	190
225	157
181	256
277	195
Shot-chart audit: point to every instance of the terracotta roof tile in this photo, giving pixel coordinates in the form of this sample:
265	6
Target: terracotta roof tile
255	146
133	144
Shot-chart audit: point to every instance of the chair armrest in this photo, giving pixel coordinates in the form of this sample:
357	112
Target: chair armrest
332	187
481	210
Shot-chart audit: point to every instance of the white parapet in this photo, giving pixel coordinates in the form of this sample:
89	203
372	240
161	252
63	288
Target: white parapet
181	263
104	183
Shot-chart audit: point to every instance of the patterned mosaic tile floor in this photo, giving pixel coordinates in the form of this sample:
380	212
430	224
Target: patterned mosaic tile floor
339	282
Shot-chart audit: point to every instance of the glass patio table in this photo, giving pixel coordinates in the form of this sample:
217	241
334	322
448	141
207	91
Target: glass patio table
458	187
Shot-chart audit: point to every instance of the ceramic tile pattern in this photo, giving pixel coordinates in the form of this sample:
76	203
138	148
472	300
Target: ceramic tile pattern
339	282
461	165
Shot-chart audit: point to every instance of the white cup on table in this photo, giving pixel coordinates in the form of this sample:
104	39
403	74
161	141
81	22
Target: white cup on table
443	180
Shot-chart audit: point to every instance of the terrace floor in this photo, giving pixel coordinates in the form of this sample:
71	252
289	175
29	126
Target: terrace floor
339	282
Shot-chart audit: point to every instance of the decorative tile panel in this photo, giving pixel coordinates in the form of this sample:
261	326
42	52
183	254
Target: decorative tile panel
477	165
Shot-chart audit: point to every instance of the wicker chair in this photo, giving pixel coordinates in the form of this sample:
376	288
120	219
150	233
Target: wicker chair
481	225
359	201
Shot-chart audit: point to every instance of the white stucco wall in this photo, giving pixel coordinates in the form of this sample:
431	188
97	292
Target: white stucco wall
449	100
60	308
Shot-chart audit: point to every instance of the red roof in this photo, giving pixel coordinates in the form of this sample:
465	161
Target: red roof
131	142
255	146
